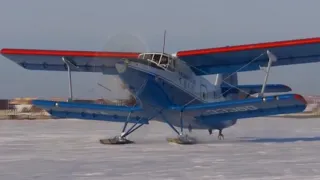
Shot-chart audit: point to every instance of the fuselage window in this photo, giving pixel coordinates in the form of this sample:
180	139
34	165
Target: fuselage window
203	91
171	66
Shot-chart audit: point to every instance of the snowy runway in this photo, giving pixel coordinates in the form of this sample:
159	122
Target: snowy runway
264	148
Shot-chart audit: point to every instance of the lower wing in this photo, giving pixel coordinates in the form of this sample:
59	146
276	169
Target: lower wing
255	88
247	108
90	111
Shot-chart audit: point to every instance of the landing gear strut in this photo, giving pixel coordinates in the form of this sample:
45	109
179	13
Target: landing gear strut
220	135
190	128
182	138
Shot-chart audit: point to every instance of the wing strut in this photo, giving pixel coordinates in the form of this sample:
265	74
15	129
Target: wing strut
68	63
272	58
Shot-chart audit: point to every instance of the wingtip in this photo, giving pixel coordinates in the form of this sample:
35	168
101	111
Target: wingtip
2	51
300	98
6	50
284	87
288	88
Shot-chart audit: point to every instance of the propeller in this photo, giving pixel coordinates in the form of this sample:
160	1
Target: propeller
119	42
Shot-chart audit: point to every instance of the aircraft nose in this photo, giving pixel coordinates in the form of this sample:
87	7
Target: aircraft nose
121	67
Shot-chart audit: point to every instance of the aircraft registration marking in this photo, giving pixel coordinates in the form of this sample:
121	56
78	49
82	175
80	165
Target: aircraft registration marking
231	109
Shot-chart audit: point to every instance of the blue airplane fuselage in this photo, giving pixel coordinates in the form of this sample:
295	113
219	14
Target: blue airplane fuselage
155	93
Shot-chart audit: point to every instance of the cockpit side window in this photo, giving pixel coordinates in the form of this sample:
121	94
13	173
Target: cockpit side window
164	60
156	58
148	56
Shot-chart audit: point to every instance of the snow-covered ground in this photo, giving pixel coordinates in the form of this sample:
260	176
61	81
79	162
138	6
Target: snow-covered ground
264	148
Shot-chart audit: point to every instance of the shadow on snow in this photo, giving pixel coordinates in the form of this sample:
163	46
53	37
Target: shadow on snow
279	140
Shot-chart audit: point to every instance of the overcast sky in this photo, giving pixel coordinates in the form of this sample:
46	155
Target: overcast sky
190	24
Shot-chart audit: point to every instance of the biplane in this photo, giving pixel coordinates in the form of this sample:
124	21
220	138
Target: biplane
171	88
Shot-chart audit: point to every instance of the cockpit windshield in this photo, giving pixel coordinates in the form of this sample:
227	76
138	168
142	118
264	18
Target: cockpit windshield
165	61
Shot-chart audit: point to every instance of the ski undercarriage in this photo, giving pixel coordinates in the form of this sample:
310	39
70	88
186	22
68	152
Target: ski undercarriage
122	138
182	138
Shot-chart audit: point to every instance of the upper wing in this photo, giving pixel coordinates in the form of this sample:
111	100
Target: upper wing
247	108
92	111
232	58
83	61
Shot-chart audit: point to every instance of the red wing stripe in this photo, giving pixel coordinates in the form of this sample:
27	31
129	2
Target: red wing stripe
249	47
8	51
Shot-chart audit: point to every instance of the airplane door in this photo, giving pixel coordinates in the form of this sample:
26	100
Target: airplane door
203	91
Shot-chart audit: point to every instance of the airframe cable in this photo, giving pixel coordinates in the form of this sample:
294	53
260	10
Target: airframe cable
224	80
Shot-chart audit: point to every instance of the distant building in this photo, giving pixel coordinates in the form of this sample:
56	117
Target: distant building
24	105
4	104
312	99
